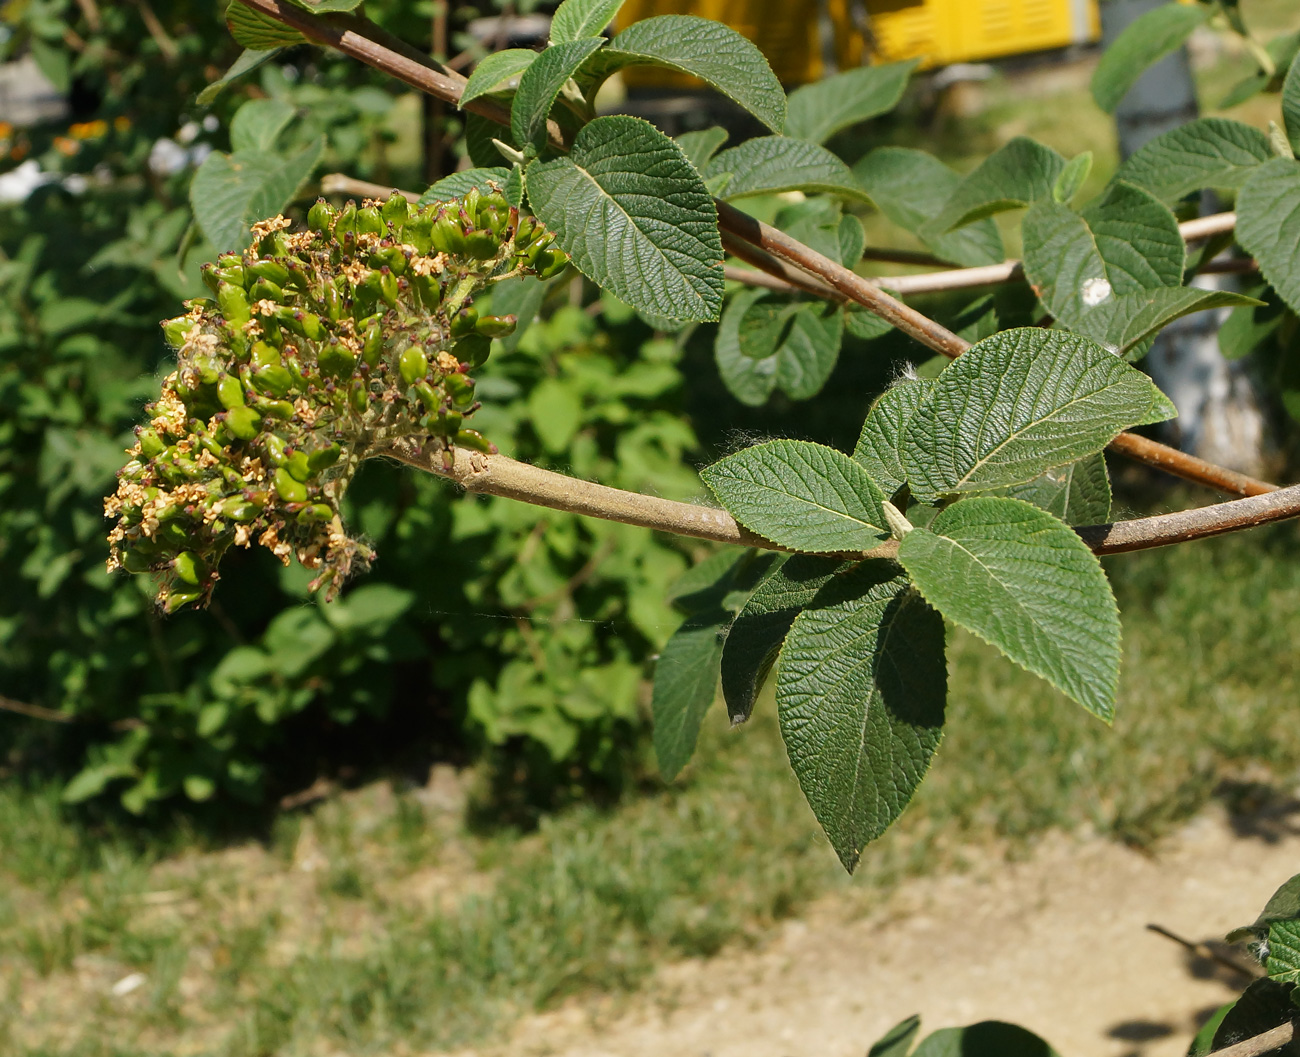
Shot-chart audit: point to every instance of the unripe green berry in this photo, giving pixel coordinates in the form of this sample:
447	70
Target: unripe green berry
413	364
320	216
242	423
189	568
298	467
464	321
496	326
289	488
230	392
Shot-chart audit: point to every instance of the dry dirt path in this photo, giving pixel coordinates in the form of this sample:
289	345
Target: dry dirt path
1057	943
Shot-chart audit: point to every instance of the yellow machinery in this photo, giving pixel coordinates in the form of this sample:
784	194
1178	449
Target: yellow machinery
794	34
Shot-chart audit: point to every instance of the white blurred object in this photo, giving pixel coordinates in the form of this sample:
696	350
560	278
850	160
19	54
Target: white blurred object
17	184
127	984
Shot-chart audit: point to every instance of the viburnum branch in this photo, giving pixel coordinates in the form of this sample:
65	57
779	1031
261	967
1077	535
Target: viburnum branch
1273	1039
500	475
365	41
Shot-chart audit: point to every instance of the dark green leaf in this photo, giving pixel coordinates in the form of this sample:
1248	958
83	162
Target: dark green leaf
1263	1006
764	327
461	183
1026	583
700	146
898	1039
810	350
714	53
817	111
761	626
1283	963
800	495
496	71
1268	225
635	217
1291	104
1018	174
1079	494
1145	41
258	124
1209	152
541	83
231	192
576	19
1247	327
990	1038
863	324
249	60
1203	1042
1126	323
1072	178
860	695
1018	404
750	381
257	31
770	164
910	187
479	134
521	298
1125	242
879	445
853	241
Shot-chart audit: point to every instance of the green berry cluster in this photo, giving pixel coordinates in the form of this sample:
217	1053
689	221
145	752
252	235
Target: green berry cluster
318	349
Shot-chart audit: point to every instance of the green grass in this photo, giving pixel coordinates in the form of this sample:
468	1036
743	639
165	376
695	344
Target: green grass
408	933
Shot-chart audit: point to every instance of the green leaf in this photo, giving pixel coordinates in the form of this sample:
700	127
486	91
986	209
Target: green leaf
700	146
686	673
522	298
1268	225
860	695
1283	962
749	380
1291	104
1203	1042
1246	328
853	241
810	350
635	217
1079	494
989	1038
864	324
249	60
771	164
259	32
714	53
541	83
1144	42
495	72
764	327
555	410
576	19
800	495
897	1040
1072	178
1282	905
461	183
479	134
1024	582
1016	405
910	187
231	192
258	124
761	626
1127	241
1124	324
817	111
1264	1005
1018	174
879	445
1209	152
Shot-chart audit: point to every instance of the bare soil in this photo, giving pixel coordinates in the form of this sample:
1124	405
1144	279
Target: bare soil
1057	942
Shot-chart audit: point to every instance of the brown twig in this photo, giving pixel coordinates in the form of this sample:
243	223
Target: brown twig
160	35
90	11
1204	950
336	183
365	41
1273	1039
50	715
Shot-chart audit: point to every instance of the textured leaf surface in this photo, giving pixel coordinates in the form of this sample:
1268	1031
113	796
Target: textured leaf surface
461	183
1268	225
880	443
810	350
817	111
714	53
761	626
1024	582
1016	405
769	164
495	71
1264	1005
257	31
1072	177
910	187
575	19
1209	152
1079	494
989	1038
700	146
258	124
635	217
231	192
860	695
1145	41
1283	962
1018	174
1078	262
764	343
1291	104
1123	324
749	380
541	82
800	495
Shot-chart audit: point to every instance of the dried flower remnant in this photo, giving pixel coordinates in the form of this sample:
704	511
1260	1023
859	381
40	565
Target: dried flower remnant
318	350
